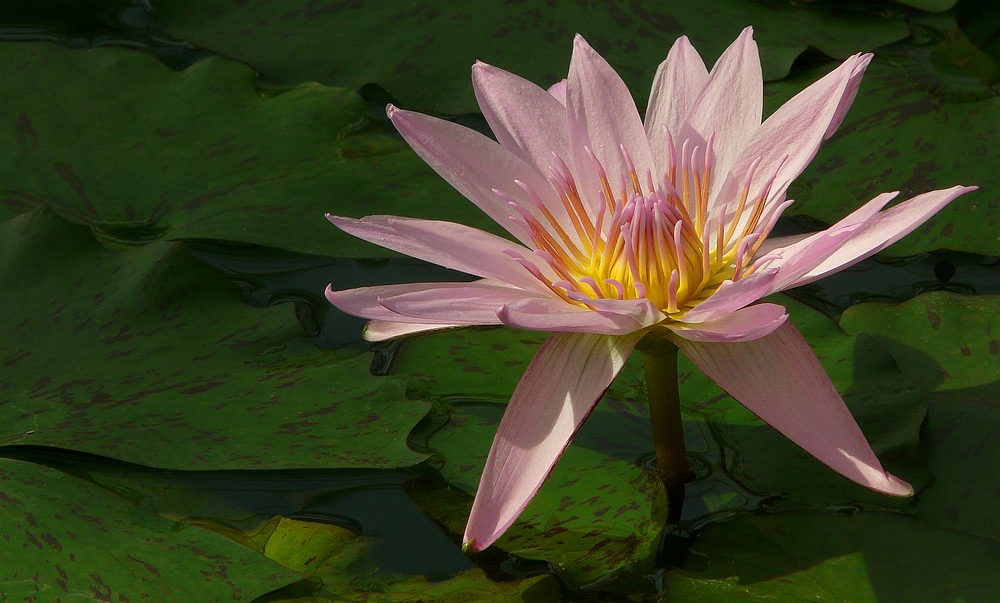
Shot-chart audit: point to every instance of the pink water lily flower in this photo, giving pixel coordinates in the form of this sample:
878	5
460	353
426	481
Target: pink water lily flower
627	227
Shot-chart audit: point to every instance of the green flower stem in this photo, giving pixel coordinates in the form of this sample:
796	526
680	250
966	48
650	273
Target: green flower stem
659	361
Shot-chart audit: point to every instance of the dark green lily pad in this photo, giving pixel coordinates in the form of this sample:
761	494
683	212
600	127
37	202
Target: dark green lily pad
213	157
815	556
935	6
942	340
65	539
963	452
422	52
148	355
901	136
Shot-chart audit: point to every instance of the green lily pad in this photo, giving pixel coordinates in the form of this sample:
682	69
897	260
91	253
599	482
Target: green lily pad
421	53
941	340
934	6
65	539
963	452
148	355
815	556
901	136
340	568
213	157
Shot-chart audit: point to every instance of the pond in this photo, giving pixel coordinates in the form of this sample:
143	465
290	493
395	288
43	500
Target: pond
186	418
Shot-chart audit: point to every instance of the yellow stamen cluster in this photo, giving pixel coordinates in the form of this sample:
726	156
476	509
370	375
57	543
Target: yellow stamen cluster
660	241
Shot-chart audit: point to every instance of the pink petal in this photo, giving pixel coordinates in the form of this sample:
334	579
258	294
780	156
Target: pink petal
745	324
447	244
853	85
380	330
733	295
364	301
862	214
474	164
558	90
799	258
603	116
526	119
779	378
790	137
540	314
562	384
731	103
678	82
642	311
882	230
461	303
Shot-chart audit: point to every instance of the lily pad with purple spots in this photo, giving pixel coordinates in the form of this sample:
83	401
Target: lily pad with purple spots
66	539
112	138
148	355
942	340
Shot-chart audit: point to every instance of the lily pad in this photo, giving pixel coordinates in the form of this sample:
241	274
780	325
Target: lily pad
963	452
213	157
148	355
944	341
421	52
65	539
901	136
337	561
816	556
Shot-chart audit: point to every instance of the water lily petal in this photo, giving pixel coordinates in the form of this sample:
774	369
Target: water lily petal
558	90
560	387
363	301
882	230
733	295
779	378
862	214
447	244
850	93
678	83
459	303
790	138
540	314
642	311
744	324
731	104
600	105
526	119
380	330
799	258
474	164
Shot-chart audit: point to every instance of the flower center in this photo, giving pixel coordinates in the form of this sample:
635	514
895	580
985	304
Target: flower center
662	241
